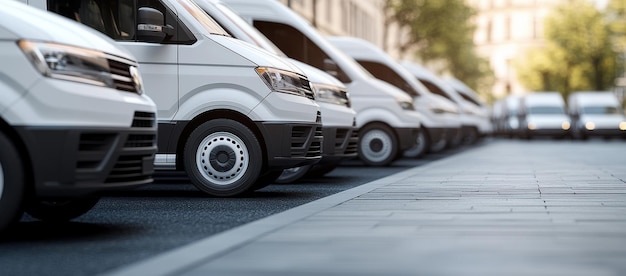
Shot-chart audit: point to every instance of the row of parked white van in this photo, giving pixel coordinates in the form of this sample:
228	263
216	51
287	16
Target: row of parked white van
239	94
585	114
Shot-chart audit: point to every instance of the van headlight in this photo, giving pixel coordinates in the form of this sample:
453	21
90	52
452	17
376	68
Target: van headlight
331	94
405	104
565	125
70	63
622	126
285	82
590	126
436	109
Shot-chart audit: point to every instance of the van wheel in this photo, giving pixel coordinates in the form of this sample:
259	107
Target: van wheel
292	174
11	183
423	144
223	158
267	179
378	146
321	170
60	210
439	146
471	137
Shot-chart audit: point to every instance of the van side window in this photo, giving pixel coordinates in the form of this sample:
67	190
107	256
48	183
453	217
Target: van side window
296	45
383	72
117	18
435	89
469	99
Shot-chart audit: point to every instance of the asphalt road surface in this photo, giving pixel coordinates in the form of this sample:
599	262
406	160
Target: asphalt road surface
129	226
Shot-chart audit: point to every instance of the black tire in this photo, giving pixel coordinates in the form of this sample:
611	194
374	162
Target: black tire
423	145
267	179
293	174
11	183
378	145
60	210
471	137
223	158
321	170
439	146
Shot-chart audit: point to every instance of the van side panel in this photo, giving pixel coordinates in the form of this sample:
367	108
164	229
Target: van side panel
159	67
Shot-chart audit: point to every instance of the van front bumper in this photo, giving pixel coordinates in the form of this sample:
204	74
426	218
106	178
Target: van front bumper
78	161
407	137
291	144
340	143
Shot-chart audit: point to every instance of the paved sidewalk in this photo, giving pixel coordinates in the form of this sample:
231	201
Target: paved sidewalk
503	208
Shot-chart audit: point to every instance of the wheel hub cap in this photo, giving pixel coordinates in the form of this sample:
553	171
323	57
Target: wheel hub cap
222	158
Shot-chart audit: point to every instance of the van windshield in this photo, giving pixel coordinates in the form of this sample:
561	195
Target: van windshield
545	110
598	110
203	18
256	36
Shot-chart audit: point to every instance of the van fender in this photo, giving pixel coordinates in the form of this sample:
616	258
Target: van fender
218	96
365	116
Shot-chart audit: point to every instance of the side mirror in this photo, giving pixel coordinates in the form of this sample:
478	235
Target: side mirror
331	68
150	25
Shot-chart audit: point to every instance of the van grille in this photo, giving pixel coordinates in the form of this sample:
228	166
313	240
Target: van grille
140	141
353	142
122	77
144	119
92	149
133	161
306	141
128	168
306	86
346	141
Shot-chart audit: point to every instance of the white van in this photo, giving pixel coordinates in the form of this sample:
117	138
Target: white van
543	114
73	117
440	118
387	120
230	114
338	118
481	112
507	119
596	113
470	122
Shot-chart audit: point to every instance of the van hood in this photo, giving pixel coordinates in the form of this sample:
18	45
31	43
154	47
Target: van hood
547	119
35	24
435	100
603	119
316	75
254	54
375	87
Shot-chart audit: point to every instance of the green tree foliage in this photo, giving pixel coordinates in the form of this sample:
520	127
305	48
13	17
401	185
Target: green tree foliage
441	30
616	16
578	54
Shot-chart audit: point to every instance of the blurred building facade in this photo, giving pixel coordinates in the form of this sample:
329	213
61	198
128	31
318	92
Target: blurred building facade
359	18
505	29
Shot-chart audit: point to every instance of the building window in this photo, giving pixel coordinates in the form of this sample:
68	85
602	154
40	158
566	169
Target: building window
507	26
489	30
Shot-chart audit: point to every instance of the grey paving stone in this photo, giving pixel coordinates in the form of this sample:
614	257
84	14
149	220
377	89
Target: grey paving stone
505	208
